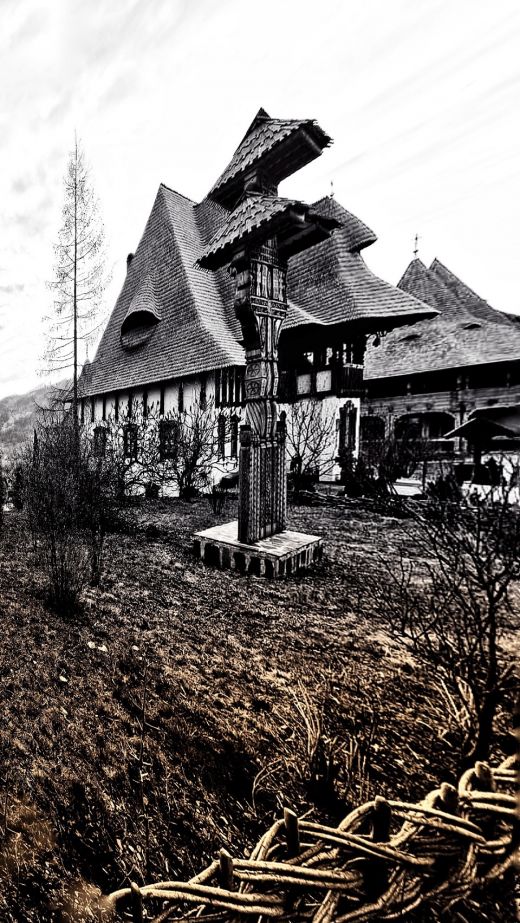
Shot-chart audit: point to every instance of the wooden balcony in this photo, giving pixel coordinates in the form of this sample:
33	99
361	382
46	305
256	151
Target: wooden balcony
341	381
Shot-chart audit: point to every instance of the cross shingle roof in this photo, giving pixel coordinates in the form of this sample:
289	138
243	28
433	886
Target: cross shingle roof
281	146
466	332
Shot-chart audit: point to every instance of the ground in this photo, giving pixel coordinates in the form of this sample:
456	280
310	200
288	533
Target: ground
170	717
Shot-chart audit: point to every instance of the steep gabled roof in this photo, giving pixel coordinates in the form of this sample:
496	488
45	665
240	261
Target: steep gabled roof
466	296
332	283
194	334
280	146
467	331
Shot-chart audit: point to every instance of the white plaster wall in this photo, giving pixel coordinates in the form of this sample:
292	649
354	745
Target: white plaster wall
171	398
110	406
154	400
331	406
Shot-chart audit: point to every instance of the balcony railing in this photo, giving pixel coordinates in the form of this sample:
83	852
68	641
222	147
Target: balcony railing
343	381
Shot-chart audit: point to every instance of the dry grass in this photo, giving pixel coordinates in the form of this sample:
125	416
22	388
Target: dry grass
186	706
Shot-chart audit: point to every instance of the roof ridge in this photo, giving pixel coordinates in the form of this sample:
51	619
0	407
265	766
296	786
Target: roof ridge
176	192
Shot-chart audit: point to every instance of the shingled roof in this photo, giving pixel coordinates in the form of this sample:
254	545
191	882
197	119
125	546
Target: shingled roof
332	283
194	333
467	331
281	145
174	319
259	216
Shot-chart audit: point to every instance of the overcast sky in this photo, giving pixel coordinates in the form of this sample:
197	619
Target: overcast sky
422	98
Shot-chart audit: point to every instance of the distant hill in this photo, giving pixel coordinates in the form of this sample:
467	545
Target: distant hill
18	416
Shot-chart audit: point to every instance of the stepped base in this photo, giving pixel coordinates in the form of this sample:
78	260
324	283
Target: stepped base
276	556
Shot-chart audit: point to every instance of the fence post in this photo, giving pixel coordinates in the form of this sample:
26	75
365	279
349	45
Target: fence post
381	819
292	832
226	870
375	871
136	902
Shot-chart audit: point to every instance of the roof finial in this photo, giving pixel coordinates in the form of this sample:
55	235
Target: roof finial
416	248
332	188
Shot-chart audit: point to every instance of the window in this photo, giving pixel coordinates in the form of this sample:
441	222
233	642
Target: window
221	436
203	397
82	412
217	388
181	397
224	386
145	404
234	436
92	409
100	441
168	439
239	385
130	441
116	407
161	401
104	407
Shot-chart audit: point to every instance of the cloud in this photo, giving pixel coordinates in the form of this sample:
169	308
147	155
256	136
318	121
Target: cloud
12	288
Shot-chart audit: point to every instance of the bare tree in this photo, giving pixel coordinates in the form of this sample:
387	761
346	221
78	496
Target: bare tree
79	273
146	450
311	432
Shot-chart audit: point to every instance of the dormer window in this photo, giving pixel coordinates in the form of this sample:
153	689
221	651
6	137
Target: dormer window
137	328
473	325
142	316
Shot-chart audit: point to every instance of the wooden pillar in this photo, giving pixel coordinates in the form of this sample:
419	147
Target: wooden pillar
261	306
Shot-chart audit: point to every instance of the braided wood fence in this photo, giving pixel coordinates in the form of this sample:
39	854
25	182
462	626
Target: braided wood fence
384	859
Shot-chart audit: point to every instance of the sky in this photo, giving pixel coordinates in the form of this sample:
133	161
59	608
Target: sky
421	97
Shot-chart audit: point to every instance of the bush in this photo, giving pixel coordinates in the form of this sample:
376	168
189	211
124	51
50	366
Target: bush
53	486
71	494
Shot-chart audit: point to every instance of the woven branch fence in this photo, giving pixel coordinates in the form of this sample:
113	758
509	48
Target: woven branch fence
384	860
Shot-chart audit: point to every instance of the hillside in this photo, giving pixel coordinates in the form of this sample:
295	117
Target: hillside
18	415
173	716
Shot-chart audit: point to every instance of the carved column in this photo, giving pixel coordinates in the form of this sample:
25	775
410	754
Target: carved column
261	306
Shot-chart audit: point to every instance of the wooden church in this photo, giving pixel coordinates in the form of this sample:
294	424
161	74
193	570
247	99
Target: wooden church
173	337
427	380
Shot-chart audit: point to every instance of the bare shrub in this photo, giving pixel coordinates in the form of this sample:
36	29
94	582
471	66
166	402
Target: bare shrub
452	603
55	510
310	441
147	451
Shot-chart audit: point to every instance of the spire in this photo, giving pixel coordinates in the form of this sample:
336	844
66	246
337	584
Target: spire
332	188
416	247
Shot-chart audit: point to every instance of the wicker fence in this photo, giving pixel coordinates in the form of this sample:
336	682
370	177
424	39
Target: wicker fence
384	860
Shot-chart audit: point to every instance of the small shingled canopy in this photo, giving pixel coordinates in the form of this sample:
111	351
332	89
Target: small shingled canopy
487	423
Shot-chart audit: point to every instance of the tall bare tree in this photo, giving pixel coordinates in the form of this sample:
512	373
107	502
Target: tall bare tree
80	276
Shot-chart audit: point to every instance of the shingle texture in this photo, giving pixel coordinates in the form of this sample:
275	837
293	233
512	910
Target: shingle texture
331	282
466	332
252	213
264	138
194	333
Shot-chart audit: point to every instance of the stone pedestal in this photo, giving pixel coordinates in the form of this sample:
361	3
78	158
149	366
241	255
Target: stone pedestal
278	555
